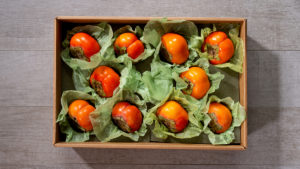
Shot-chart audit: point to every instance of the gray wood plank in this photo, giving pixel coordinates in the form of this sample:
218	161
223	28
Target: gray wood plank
25	140
26	78
112	166
273	78
272	25
26	52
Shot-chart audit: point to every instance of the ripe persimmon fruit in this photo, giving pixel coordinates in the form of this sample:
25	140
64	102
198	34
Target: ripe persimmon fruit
127	117
174	48
173	116
79	111
128	42
83	46
221	117
104	80
218	44
198	82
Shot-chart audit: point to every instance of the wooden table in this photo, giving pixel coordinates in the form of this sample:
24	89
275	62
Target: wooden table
26	51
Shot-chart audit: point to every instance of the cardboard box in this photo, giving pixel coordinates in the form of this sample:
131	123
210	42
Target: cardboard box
57	84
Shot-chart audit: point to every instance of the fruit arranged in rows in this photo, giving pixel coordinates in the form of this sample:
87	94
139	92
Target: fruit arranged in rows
129	118
173	50
174	47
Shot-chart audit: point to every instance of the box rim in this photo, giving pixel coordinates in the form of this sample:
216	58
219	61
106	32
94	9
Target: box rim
139	145
148	145
54	125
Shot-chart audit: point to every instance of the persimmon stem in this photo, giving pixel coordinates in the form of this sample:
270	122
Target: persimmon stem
214	125
213	51
170	124
122	124
77	52
166	54
189	89
98	88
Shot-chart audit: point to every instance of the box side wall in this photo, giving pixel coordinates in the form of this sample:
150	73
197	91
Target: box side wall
141	20
141	145
243	84
56	78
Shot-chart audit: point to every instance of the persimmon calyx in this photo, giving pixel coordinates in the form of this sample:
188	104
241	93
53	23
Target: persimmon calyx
120	122
170	124
214	125
74	122
189	89
121	50
213	51
77	52
98	88
166	54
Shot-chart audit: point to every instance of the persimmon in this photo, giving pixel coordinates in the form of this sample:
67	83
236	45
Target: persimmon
79	111
128	42
198	82
104	80
173	115
218	44
127	117
174	48
75	107
83	46
221	117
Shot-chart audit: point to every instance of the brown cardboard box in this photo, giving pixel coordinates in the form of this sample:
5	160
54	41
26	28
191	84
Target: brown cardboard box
57	84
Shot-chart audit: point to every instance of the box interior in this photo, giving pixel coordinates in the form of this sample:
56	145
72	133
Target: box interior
229	86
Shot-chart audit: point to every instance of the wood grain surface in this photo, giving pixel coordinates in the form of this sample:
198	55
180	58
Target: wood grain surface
26	51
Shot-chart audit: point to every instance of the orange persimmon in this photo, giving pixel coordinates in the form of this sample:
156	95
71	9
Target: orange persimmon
221	117
83	46
198	82
127	117
128	42
174	48
104	80
79	111
218	44
173	115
